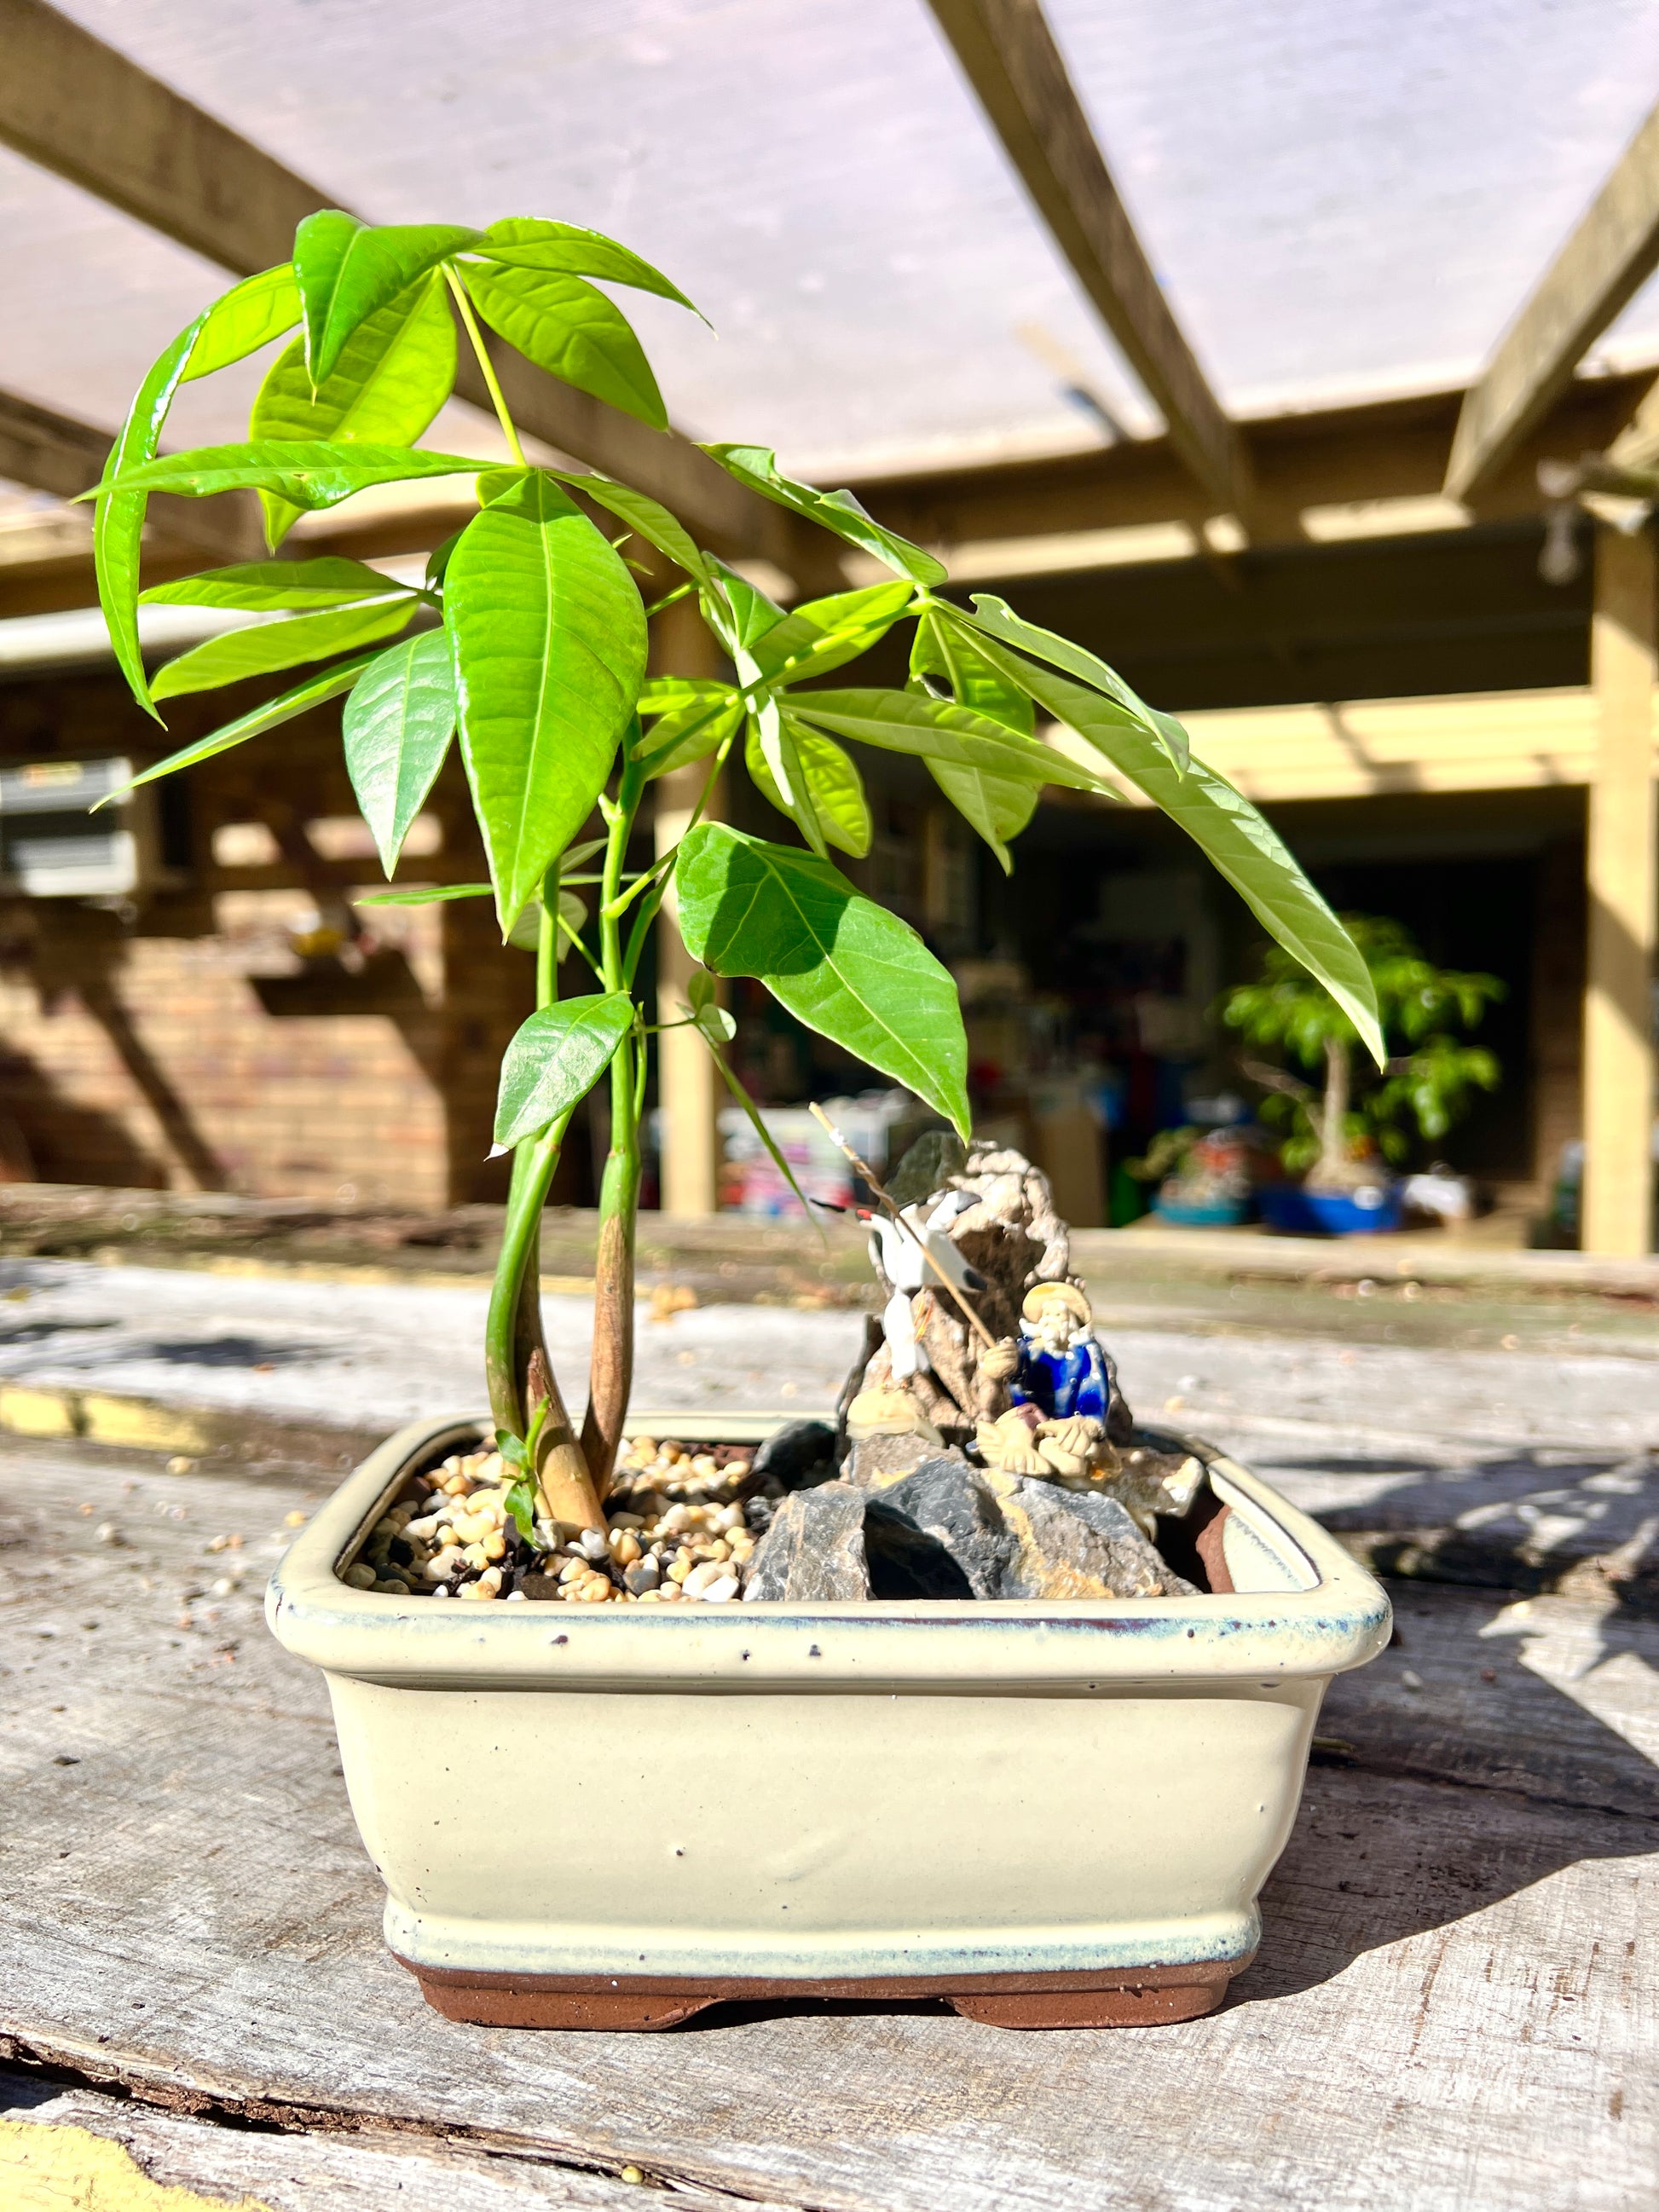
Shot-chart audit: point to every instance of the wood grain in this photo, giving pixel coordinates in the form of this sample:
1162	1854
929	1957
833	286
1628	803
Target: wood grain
1452	2006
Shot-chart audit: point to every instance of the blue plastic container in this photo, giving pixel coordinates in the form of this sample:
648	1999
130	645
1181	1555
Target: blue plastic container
1220	1213
1298	1212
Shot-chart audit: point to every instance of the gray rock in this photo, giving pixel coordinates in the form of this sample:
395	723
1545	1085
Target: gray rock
814	1549
876	1462
951	1508
795	1456
1069	1543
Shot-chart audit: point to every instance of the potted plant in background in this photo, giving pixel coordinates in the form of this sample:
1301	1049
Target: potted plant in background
1347	1133
770	1801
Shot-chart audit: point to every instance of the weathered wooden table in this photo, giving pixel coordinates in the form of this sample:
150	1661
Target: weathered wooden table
1453	2006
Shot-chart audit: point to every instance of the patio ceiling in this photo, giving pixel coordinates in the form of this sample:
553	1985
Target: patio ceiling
1340	205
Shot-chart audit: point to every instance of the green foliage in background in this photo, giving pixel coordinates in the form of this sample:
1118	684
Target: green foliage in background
525	648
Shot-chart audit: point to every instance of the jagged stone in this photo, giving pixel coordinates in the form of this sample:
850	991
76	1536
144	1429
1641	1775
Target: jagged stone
1074	1544
907	1562
797	1456
876	1462
952	1507
814	1550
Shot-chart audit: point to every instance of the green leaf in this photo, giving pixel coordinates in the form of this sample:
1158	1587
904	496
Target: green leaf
437	560
422	895
549	643
1226	828
245	318
520	1503
823	635
841	963
309	475
327	684
526	242
393	373
738	612
644	516
998	807
828	783
838	511
118	521
568	327
346	271
689	731
398	725
556	1060
527	931
914	722
264	586
266	646
996	618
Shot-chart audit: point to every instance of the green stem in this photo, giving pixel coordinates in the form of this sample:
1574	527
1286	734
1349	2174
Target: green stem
533	1167
464	307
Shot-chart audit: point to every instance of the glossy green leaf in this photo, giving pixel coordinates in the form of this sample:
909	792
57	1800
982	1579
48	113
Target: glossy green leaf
825	634
549	641
315	691
567	326
118	522
347	272
526	242
738	612
838	511
556	1060
690	732
914	722
645	516
1225	827
267	586
392	375
527	931
997	807
398	725
422	895
245	318
826	781
309	475
264	648
997	619
841	963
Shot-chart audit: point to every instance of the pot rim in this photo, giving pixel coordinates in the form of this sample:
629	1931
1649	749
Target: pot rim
1340	1619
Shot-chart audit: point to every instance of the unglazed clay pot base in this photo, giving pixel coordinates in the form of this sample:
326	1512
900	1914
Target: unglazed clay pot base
1150	1997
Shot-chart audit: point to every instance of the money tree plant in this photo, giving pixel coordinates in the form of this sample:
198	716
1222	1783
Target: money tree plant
1337	1127
526	644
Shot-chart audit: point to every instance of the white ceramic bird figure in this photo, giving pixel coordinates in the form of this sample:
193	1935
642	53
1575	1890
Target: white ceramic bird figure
900	1258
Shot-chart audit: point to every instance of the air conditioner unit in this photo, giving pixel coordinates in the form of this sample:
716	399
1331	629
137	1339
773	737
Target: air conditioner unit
50	846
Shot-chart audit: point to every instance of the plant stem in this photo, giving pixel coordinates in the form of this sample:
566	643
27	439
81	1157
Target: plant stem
611	1375
1333	1170
464	307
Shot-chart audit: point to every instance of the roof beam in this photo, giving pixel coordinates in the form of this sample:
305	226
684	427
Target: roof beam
79	107
1610	255
1009	57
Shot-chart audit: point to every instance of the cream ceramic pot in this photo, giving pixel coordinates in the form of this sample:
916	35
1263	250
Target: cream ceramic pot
1050	1814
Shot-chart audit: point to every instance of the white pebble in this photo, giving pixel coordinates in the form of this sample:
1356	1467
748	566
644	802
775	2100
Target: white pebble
719	1593
593	1544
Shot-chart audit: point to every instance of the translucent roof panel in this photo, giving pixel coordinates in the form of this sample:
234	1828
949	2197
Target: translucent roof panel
1341	202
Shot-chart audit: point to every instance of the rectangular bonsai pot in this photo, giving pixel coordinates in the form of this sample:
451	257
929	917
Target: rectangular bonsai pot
1049	1812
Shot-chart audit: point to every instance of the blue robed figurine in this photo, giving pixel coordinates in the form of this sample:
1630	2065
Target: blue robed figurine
1062	1371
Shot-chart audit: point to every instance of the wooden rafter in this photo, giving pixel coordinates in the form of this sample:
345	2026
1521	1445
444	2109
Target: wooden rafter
77	107
1009	57
1609	255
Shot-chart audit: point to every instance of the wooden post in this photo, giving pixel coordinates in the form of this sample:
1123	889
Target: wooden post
1617	1207
688	1089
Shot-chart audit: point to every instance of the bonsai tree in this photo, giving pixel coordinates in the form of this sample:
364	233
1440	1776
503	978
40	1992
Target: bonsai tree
1336	1128
526	644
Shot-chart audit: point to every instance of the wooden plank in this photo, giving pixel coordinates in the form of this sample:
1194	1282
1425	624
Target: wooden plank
78	106
1610	254
1008	55
1450	2007
1623	870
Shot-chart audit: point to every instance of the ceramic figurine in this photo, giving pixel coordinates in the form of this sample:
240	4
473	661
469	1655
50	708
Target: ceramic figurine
1062	1371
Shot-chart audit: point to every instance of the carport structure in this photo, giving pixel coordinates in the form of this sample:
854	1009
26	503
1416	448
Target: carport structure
1241	336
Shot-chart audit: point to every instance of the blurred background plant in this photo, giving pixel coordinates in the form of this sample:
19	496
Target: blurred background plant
1341	1127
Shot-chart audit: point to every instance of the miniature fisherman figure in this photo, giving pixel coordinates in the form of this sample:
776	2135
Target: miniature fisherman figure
1062	1371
